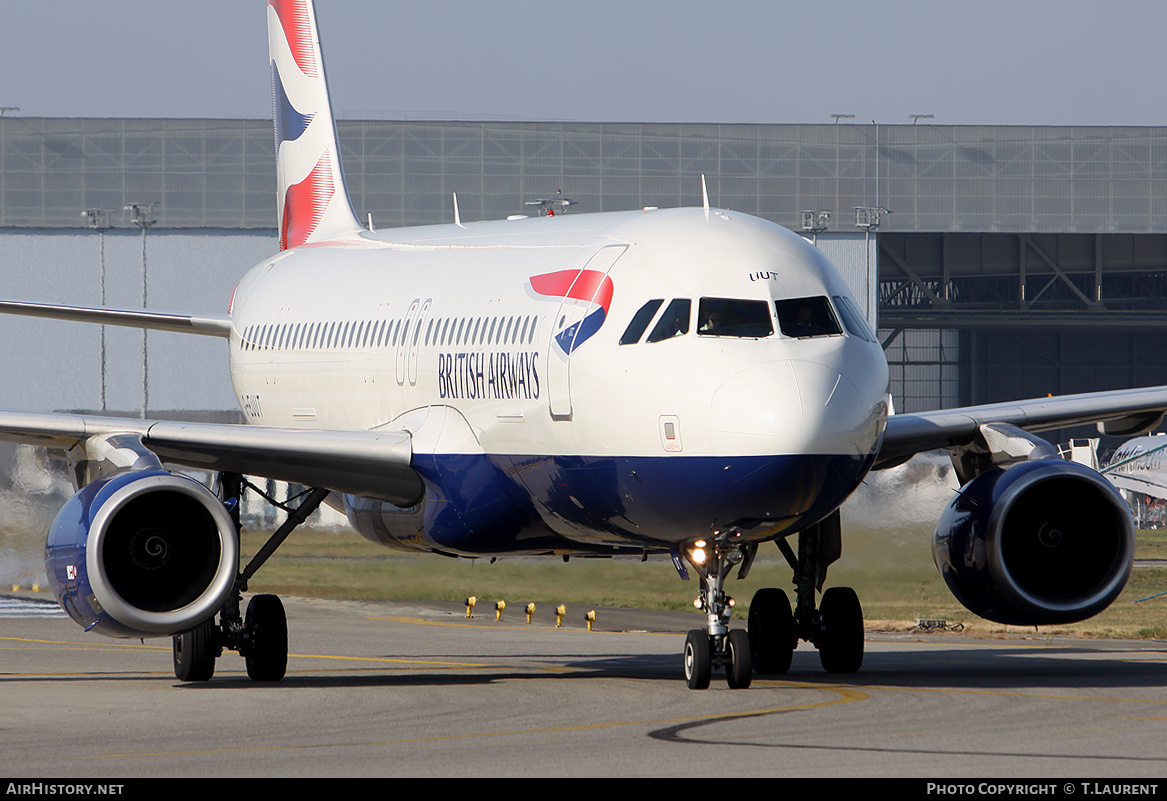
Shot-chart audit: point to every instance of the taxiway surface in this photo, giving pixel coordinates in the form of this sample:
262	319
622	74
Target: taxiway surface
416	689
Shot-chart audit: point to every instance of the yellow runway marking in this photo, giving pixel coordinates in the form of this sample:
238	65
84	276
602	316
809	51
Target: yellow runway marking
72	646
76	646
391	659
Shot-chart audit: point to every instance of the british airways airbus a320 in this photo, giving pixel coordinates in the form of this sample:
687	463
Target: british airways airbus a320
690	381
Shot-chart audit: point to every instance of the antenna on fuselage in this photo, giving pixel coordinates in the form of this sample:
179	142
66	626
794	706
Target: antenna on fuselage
704	196
457	215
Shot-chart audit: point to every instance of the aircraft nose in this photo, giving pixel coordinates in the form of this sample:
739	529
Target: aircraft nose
789	406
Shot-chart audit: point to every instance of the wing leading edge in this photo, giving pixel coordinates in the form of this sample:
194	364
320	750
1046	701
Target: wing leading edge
1119	412
369	463
218	325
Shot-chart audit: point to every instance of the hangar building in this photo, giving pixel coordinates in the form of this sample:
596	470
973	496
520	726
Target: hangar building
999	261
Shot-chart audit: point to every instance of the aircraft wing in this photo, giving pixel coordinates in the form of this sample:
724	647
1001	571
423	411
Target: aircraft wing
1117	413
207	324
369	463
1153	484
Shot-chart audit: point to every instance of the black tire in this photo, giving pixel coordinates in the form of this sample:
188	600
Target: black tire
698	660
195	652
771	631
740	669
841	638
266	630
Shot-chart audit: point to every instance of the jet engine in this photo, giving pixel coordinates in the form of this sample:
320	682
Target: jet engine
142	553
1043	542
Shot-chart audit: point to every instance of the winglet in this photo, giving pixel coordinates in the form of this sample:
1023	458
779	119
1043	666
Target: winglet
311	198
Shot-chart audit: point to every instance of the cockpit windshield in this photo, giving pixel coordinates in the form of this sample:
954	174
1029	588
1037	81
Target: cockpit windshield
640	322
731	317
855	322
673	323
807	317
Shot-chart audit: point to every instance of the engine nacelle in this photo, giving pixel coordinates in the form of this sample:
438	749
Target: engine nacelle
140	554
1044	542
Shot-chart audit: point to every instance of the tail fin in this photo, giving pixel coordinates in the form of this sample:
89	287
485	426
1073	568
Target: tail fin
311	198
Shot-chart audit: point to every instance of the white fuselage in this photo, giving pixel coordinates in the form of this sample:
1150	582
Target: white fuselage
480	341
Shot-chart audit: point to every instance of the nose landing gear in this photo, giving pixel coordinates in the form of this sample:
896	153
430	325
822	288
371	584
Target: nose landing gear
716	646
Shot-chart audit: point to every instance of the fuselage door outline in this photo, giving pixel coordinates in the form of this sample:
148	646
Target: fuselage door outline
569	315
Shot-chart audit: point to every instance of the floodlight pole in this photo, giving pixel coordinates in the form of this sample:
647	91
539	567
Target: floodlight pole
98	220
142	215
868	218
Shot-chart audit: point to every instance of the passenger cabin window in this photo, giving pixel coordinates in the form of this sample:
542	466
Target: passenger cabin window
640	322
674	322
729	317
807	317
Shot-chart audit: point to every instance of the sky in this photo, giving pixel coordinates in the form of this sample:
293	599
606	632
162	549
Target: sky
1024	62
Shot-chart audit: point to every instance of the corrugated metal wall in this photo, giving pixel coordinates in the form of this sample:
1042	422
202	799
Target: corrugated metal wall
220	173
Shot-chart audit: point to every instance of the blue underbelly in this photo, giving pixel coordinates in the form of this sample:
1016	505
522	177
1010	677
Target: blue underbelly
496	504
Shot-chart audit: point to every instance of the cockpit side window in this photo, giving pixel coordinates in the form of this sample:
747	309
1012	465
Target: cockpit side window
807	317
640	322
853	321
674	322
730	317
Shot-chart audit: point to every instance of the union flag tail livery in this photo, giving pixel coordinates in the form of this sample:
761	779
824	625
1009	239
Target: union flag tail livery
311	198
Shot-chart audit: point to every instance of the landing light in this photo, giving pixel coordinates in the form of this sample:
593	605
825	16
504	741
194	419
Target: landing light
697	556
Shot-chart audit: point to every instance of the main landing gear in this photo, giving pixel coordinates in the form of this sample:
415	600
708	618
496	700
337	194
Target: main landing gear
261	637
834	627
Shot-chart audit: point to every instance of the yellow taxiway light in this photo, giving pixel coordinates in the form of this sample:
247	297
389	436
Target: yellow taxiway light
590	617
498	607
560	611
530	611
470	605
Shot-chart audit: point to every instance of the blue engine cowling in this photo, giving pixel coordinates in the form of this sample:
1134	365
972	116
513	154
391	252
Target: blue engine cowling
1044	542
142	554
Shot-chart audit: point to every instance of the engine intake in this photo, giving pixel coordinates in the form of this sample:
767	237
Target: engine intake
148	553
1043	542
